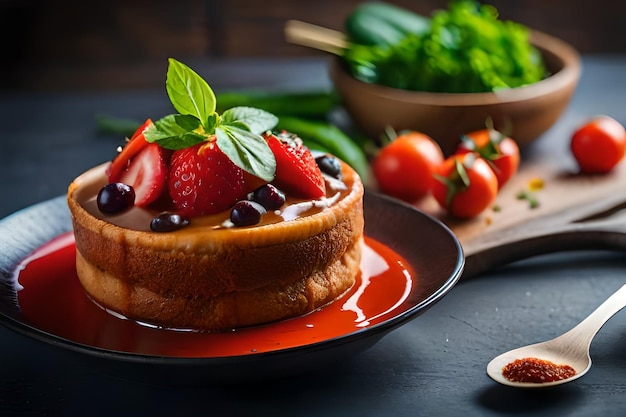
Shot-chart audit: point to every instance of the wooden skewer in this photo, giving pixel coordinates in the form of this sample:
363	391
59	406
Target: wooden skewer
316	37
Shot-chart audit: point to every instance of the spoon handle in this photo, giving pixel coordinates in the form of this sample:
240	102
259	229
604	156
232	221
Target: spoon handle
313	36
585	331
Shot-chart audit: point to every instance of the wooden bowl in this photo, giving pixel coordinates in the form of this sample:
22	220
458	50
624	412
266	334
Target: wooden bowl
524	113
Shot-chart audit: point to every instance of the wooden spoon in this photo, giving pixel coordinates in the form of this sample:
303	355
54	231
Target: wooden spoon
316	37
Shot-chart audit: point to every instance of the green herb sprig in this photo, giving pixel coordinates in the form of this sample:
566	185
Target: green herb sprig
237	131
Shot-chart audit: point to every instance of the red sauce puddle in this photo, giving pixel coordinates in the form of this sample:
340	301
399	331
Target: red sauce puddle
536	371
53	301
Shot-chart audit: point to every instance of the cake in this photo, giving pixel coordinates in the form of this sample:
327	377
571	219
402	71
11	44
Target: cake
172	257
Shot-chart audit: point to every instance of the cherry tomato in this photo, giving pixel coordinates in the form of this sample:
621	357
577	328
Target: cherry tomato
499	150
465	185
404	168
599	145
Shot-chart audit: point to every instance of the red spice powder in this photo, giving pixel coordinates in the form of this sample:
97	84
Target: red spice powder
536	370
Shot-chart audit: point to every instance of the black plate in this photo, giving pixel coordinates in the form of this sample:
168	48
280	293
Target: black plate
431	249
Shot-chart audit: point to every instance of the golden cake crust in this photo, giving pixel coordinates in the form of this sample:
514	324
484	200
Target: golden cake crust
218	278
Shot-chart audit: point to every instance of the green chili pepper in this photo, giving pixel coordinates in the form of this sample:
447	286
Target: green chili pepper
310	104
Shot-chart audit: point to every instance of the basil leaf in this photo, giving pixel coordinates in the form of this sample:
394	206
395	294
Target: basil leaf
175	132
212	122
188	122
258	121
188	92
165	127
239	124
247	150
183	141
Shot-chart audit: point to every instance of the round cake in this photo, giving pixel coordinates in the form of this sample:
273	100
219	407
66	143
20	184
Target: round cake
214	221
211	276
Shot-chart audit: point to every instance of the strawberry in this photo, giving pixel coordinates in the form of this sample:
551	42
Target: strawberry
297	172
136	143
141	165
203	180
146	173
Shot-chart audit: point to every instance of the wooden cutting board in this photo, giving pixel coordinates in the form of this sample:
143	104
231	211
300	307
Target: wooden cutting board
575	211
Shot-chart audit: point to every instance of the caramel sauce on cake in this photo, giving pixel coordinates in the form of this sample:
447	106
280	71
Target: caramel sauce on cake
210	275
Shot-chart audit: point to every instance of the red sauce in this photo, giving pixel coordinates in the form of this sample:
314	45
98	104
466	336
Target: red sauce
536	370
53	301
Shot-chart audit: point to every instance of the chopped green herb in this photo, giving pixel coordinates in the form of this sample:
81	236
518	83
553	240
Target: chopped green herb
530	197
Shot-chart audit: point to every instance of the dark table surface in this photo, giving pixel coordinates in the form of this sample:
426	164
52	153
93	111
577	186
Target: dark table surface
434	365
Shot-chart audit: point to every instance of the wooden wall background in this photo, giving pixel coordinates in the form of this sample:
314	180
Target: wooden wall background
74	44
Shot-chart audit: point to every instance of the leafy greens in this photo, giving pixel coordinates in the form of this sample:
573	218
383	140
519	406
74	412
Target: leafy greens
467	49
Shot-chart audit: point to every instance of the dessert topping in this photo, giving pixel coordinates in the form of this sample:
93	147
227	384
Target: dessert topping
230	144
115	198
269	197
146	173
136	143
297	172
237	131
198	162
203	180
329	165
247	213
142	166
168	222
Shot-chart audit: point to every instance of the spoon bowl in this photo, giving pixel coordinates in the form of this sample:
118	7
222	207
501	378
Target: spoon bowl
571	348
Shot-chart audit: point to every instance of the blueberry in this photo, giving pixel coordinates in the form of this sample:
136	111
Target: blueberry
168	222
115	198
246	213
329	165
269	197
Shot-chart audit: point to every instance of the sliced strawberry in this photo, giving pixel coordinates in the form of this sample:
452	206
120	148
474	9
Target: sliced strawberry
297	172
146	173
203	180
122	161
